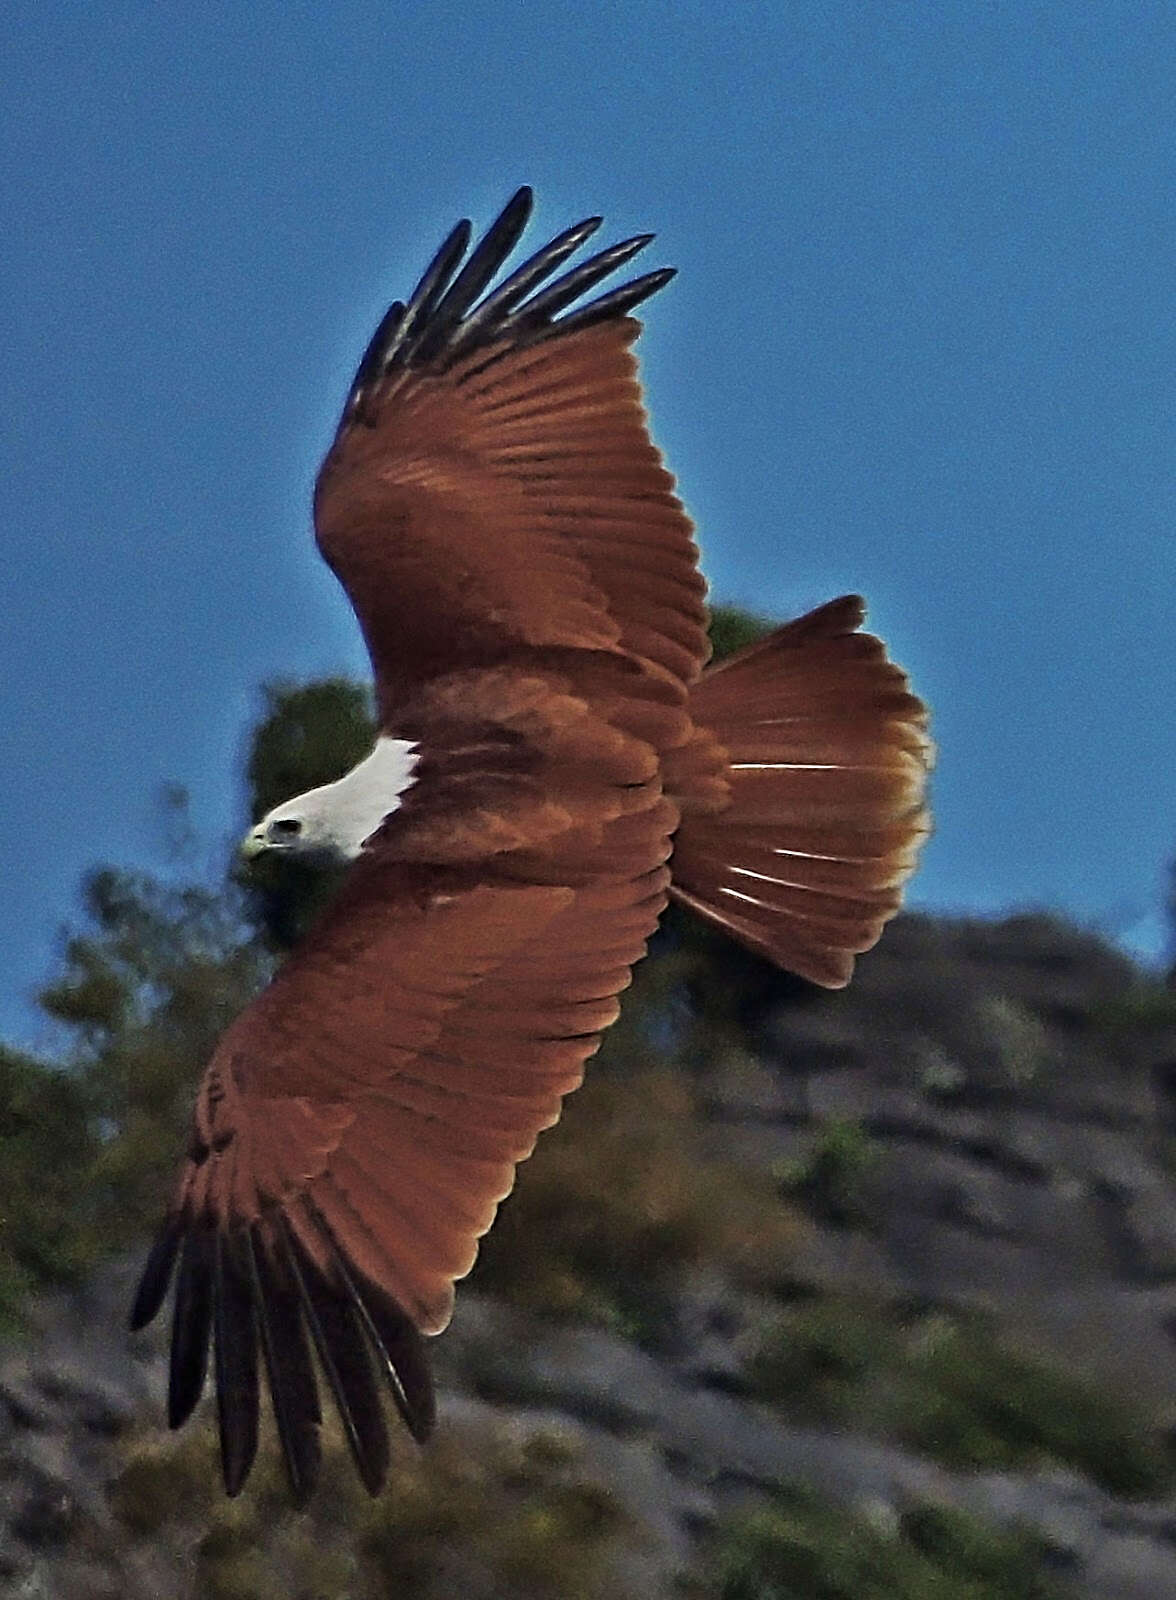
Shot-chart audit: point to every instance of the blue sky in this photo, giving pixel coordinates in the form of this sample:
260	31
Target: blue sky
921	345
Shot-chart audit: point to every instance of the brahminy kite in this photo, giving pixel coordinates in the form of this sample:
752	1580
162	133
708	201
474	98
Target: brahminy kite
553	764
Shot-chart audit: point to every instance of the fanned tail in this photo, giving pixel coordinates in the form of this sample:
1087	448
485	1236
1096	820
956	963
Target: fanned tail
825	756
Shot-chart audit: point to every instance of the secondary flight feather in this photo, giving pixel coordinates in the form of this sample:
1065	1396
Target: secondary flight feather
553	763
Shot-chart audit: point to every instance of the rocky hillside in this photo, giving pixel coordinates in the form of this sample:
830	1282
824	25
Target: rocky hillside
845	1296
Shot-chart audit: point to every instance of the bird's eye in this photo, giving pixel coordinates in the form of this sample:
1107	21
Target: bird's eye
286	825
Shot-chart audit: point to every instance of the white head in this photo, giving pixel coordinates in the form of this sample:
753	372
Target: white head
334	820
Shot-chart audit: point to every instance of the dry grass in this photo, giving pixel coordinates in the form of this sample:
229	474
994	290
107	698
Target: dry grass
617	1205
491	1507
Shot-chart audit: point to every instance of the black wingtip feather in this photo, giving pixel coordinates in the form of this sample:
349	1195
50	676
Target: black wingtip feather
541	309
372	361
235	1347
191	1326
616	304
261	1287
495	308
435	279
345	1359
156	1275
500	239
407	1365
444	317
293	1391
394	1337
394	335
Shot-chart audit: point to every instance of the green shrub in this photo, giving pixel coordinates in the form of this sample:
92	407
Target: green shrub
46	1146
952	1391
822	1357
969	1401
1146	1007
799	1548
831	1181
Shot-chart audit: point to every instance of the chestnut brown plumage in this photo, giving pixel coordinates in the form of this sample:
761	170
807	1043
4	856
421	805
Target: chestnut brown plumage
527	584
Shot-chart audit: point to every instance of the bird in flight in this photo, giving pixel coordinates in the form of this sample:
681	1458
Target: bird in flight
553	764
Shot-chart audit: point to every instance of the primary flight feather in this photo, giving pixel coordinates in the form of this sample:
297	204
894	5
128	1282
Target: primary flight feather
553	763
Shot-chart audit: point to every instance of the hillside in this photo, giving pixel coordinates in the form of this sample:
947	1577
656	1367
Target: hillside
808	1295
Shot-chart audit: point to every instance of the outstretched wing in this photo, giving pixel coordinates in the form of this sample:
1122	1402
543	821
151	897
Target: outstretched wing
493	484
360	1122
492	501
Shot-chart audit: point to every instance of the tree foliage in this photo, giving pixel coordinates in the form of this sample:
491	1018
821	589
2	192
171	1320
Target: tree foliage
732	628
88	1142
308	735
46	1140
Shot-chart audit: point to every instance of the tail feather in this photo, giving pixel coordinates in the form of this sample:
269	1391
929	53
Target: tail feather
823	770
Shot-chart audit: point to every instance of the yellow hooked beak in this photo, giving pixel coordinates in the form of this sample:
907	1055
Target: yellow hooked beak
252	844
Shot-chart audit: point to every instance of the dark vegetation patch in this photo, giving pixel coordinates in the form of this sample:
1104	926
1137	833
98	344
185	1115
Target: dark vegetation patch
800	1548
951	1389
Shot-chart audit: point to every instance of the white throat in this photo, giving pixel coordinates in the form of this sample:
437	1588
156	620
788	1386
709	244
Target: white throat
338	817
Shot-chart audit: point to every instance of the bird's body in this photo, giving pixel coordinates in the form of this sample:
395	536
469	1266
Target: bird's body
553	764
